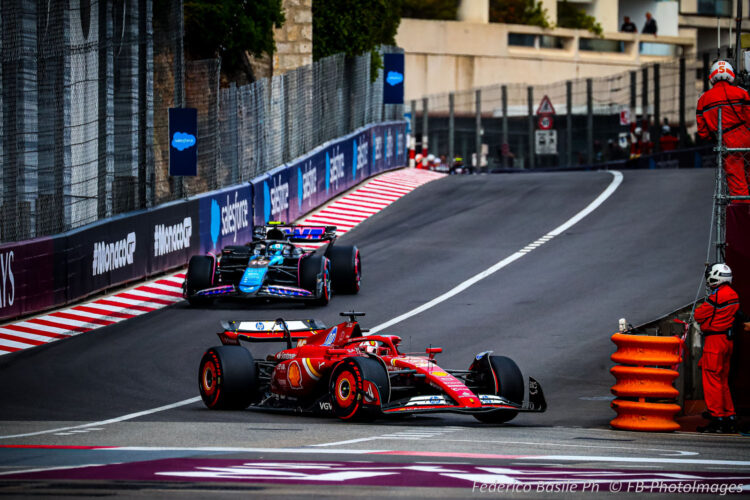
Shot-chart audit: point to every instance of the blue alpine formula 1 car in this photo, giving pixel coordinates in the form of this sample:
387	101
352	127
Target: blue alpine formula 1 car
280	263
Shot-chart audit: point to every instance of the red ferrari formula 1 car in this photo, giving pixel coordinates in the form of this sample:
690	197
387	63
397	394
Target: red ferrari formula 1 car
340	371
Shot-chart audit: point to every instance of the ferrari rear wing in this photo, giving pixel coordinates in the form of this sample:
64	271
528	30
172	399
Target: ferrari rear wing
269	330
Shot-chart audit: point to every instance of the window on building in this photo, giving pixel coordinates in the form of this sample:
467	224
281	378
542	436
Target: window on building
715	7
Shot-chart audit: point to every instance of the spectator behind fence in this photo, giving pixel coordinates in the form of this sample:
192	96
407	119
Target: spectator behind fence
649	27
628	26
667	141
734	103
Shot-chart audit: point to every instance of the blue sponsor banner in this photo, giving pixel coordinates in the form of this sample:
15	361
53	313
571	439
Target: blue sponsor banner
293	190
183	141
226	218
393	81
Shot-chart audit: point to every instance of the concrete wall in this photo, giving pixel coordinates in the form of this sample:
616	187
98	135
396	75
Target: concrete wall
446	56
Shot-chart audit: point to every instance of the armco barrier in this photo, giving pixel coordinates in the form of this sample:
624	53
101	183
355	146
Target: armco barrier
645	379
48	272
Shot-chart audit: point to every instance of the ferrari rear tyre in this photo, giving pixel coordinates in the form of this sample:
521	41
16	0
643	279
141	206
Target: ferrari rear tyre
346	269
199	276
315	276
227	378
358	387
502	377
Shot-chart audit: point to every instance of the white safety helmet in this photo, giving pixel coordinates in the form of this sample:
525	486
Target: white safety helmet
721	70
430	158
638	131
718	274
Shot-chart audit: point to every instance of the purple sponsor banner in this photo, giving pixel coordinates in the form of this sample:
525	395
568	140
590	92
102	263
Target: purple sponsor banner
225	218
27	277
472	478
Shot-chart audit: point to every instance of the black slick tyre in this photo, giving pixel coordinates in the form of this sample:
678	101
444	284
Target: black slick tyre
315	276
227	378
199	276
346	269
502	377
358	387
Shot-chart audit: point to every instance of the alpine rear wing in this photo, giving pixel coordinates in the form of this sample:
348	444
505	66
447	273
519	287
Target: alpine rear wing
298	233
269	330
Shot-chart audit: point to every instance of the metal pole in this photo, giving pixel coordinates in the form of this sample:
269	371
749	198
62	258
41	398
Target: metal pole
657	102
682	102
530	96
425	128
478	128
504	98
719	198
738	37
590	119
451	127
644	98
569	120
179	76
706	69
633	103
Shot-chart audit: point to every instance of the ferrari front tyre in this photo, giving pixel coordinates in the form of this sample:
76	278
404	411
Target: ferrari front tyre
346	268
315	276
502	377
227	378
199	276
358	388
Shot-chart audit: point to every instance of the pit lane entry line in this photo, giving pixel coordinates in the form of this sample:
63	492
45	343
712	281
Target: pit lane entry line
616	181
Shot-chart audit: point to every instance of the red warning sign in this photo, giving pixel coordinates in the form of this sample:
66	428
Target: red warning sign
545	107
545	122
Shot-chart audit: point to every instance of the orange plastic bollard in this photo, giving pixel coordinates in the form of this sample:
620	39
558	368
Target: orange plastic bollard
639	416
640	382
644	350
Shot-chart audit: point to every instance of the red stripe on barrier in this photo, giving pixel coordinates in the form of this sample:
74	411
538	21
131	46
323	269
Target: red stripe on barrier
158	291
22	340
26	329
83	319
56	447
107	302
145	299
169	283
9	349
80	329
104	312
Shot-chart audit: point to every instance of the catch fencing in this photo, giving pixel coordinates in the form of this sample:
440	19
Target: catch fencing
593	120
85	88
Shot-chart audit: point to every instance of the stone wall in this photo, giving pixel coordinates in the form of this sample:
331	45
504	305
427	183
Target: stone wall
294	41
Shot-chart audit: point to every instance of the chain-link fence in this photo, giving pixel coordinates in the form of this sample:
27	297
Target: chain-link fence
85	89
590	121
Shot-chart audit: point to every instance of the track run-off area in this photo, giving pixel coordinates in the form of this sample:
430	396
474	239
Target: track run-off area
537	267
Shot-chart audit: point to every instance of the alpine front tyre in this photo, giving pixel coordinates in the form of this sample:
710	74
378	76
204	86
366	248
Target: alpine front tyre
346	269
315	276
200	275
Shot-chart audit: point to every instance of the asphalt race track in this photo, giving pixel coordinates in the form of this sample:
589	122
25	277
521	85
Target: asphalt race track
639	255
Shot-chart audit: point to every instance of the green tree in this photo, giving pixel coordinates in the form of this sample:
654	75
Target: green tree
570	16
439	10
528	12
354	27
229	28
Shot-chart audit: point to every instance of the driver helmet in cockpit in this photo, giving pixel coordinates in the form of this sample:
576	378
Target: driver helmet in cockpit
275	234
275	248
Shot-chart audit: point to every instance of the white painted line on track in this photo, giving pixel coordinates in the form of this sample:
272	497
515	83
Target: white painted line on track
616	181
115	420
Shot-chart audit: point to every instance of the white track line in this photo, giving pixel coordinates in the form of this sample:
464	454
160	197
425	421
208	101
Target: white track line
510	259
